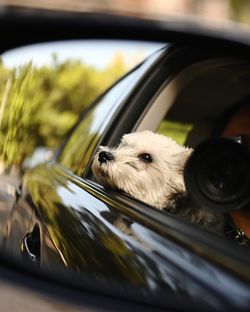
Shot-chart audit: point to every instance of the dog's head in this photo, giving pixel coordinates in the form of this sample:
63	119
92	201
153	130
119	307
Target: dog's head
146	165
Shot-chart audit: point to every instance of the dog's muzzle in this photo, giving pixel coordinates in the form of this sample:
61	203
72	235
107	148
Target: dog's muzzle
105	157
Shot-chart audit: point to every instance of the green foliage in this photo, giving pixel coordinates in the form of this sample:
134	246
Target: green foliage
240	10
176	130
39	105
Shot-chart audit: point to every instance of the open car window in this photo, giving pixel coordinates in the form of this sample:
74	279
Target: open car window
187	111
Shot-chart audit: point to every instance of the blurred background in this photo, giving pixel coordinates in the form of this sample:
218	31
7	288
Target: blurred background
220	10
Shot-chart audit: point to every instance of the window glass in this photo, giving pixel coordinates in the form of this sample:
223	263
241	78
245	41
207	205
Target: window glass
78	150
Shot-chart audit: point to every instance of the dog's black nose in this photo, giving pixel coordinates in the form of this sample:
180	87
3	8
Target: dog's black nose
105	156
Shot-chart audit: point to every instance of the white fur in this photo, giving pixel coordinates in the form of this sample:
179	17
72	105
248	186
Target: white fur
153	183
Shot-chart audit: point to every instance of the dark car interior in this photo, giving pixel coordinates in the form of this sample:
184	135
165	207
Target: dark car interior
206	97
204	93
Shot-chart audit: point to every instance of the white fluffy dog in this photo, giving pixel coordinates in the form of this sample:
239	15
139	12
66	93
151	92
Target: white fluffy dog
149	167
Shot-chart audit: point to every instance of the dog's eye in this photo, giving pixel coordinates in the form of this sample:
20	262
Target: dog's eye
145	157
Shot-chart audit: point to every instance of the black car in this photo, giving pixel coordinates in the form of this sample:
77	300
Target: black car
63	223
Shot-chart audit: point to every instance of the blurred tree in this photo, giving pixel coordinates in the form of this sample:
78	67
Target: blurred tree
38	105
115	69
